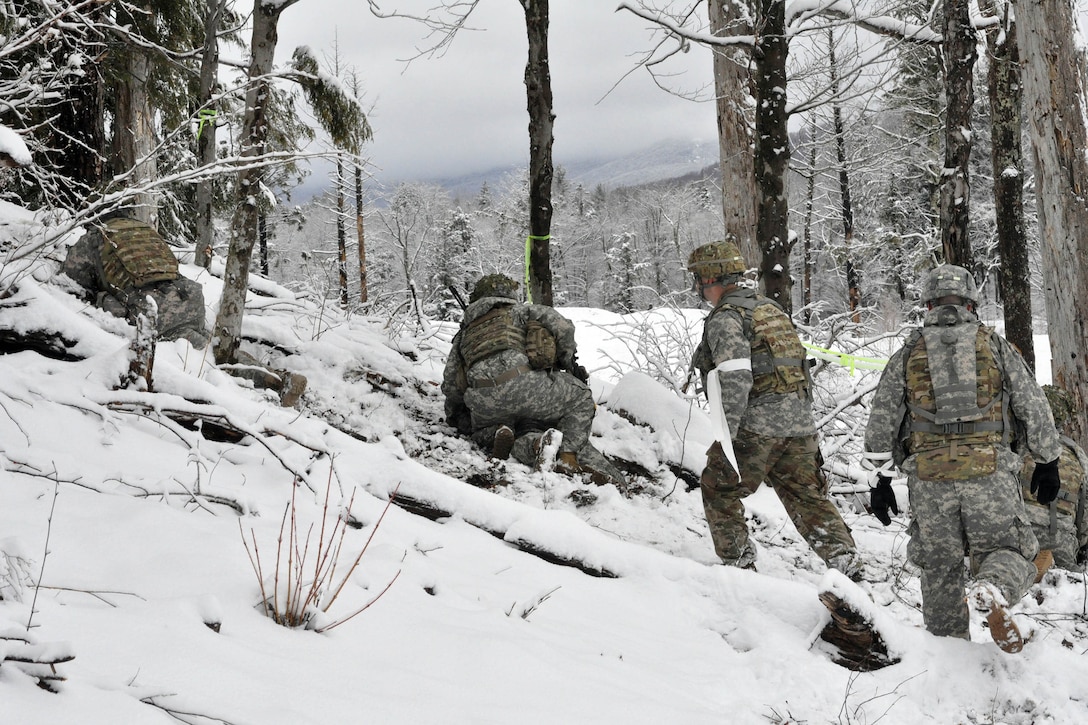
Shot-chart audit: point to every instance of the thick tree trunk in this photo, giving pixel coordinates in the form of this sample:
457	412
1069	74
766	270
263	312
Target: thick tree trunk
205	139
959	66
1006	99
1055	89
538	86
134	134
732	79
228	324
772	153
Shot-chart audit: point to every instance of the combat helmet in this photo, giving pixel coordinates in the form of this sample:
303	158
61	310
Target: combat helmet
950	279
1062	405
717	259
494	285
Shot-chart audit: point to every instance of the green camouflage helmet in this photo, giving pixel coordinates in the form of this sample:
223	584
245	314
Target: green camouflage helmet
1062	405
717	259
494	285
950	279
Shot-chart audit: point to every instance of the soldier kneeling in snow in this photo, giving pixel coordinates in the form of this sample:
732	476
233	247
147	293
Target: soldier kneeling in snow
121	262
512	383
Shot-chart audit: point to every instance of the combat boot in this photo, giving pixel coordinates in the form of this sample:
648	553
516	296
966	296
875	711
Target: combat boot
545	449
986	599
503	443
1043	561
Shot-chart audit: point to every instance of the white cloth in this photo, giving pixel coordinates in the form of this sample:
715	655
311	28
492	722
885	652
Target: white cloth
717	413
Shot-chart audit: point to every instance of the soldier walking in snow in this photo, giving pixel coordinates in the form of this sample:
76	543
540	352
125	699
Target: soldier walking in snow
754	371
948	410
513	383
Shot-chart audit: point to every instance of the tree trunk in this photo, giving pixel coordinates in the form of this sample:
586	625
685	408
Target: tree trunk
959	53
853	276
1055	89
538	86
341	233
359	232
205	138
732	79
810	199
772	153
1006	99
134	134
227	334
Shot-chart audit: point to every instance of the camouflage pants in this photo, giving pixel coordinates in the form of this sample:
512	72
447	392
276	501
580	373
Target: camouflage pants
949	518
1063	540
792	467
547	399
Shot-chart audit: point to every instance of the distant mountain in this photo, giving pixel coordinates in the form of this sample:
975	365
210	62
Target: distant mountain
664	160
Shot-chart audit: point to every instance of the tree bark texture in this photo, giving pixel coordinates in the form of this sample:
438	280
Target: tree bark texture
772	153
134	134
960	53
853	276
227	333
1006	119
205	139
735	107
359	232
1054	103
538	87
341	232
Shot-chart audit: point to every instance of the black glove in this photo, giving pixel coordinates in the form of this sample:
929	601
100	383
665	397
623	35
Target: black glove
1082	554
580	372
882	499
1045	482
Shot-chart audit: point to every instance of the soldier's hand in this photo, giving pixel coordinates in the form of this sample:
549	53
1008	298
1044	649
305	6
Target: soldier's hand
1045	482
882	499
580	372
1082	555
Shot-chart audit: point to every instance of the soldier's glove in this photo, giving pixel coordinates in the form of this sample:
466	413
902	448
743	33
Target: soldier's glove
882	499
1045	482
580	372
1082	555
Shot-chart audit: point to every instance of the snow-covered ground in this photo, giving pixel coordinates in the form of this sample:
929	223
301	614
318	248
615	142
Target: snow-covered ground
125	534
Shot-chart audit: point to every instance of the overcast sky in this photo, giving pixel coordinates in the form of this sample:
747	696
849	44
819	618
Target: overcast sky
466	110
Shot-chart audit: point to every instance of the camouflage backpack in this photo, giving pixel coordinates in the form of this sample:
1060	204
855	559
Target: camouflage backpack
489	334
134	255
778	357
956	402
539	346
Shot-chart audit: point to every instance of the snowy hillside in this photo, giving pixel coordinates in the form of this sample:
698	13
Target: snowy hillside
496	594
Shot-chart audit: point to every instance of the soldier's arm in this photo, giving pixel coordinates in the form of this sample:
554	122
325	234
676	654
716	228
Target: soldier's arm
1028	403
886	411
562	330
730	349
455	395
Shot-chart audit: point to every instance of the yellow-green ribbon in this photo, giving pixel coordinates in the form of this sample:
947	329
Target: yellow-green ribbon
850	362
206	115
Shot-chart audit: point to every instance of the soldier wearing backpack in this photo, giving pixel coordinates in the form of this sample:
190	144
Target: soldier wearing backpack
756	380
121	262
954	409
513	383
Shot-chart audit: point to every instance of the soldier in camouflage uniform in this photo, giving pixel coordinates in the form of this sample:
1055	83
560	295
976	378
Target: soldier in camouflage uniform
754	371
513	383
948	410
137	265
1061	527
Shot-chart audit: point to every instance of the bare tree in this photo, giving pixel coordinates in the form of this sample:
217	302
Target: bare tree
960	52
1055	93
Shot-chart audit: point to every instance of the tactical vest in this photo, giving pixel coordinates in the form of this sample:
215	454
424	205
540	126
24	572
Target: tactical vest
491	333
539	346
957	409
778	357
133	255
1071	473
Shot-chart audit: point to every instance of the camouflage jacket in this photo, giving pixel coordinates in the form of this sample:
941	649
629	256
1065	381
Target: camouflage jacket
455	376
888	426
778	415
